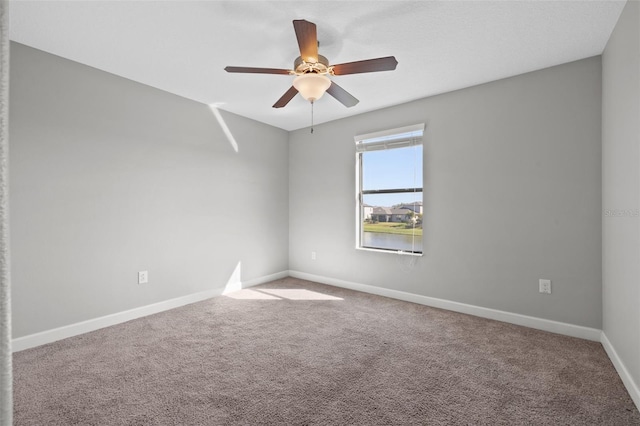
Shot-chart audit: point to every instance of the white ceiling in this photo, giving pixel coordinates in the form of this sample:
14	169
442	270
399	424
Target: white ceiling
182	47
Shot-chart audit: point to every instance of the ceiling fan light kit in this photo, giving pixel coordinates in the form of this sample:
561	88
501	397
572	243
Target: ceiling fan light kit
312	70
311	86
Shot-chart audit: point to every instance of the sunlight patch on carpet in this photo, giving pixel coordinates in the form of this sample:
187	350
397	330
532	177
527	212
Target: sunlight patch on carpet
280	294
250	295
298	294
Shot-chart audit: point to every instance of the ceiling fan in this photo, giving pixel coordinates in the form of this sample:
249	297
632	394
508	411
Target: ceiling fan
312	70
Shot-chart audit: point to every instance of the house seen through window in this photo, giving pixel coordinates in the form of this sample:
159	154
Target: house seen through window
389	190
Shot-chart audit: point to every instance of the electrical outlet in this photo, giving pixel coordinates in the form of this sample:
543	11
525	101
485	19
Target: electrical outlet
313	255
544	286
143	277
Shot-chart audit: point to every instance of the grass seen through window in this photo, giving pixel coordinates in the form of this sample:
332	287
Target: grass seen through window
392	228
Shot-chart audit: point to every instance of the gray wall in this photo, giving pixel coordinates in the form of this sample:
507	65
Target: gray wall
110	177
621	188
512	194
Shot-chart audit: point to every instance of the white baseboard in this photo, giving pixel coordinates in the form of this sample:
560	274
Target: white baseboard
49	336
629	383
524	320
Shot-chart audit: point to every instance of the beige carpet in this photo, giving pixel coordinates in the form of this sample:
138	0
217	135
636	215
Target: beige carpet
299	353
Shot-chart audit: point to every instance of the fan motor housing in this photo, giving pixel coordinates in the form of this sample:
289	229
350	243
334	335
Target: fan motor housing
302	67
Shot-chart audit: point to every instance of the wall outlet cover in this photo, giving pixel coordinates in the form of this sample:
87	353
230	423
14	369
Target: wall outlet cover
143	277
544	286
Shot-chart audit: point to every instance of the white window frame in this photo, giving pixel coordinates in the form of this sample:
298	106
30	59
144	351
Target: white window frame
386	139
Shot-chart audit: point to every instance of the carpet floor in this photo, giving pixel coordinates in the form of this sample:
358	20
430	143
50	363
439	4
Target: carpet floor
295	352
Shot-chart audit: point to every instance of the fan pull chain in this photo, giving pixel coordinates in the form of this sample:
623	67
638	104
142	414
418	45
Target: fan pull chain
311	117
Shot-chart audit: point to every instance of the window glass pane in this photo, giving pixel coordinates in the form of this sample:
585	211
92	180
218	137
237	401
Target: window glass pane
391	161
392	221
392	168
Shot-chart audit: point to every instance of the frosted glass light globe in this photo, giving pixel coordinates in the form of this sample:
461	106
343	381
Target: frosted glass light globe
311	86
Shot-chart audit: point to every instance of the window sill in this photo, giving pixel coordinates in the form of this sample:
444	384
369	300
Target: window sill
398	252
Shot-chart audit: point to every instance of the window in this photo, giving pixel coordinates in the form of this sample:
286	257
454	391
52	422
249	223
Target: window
389	190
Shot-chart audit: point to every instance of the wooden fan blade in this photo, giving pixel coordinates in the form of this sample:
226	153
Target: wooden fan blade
284	100
344	97
257	70
307	39
387	63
